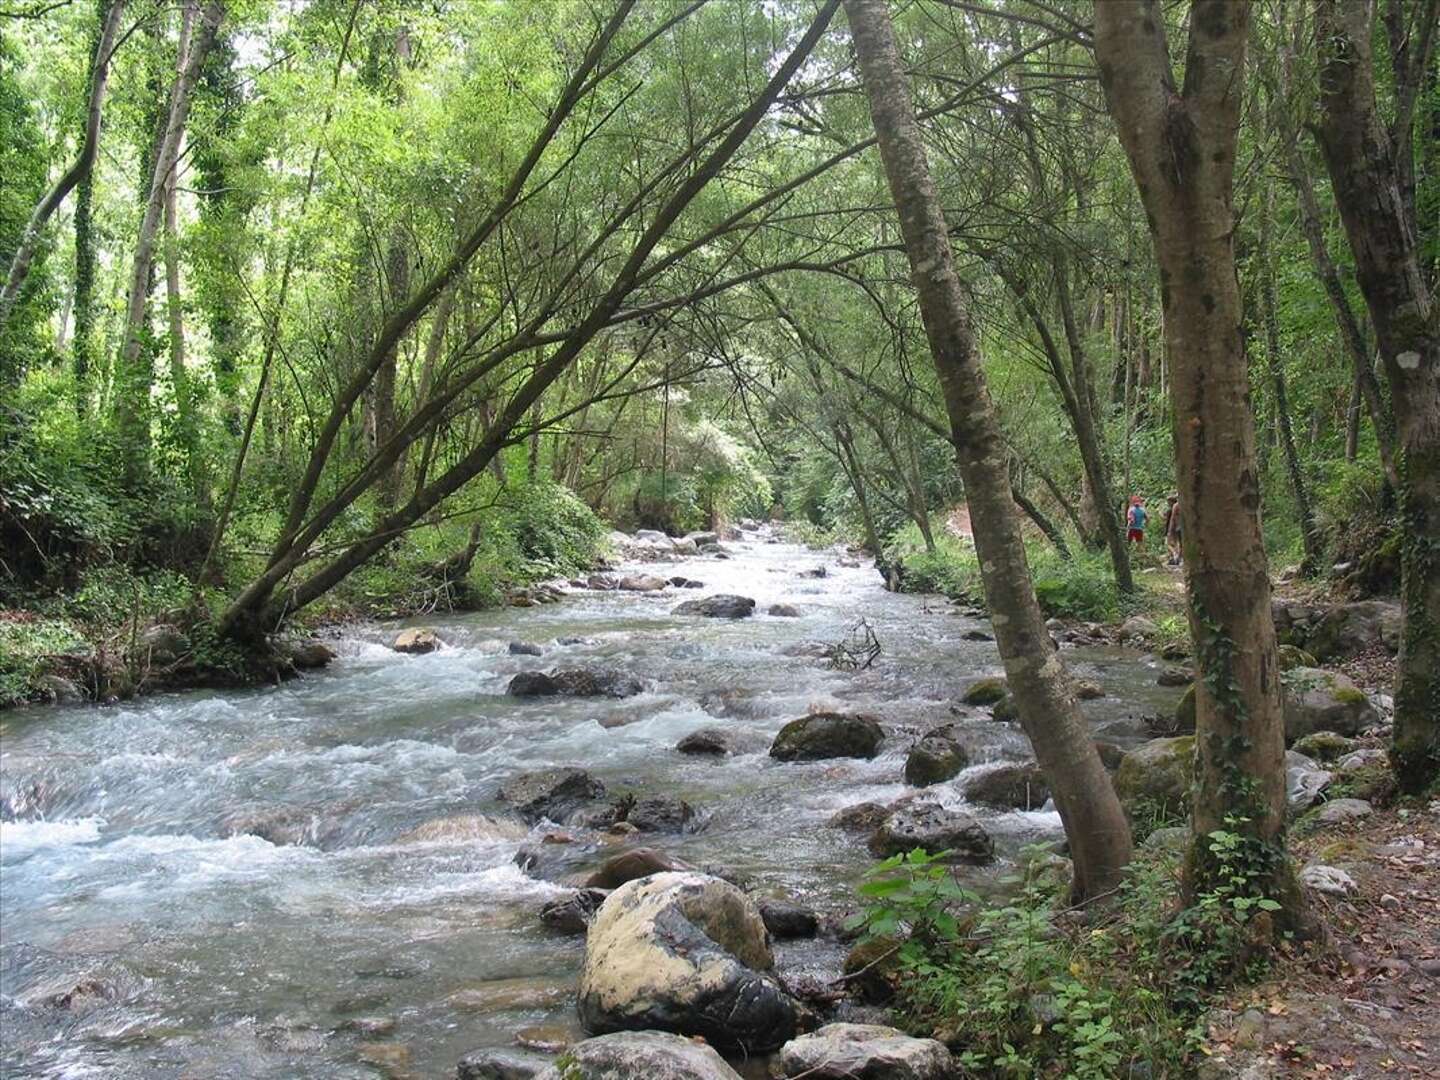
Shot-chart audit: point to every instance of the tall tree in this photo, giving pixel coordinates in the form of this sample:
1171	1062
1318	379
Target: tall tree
1372	171
1181	145
1094	822
132	412
84	163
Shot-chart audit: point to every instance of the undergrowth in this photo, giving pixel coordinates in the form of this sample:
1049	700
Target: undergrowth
1029	987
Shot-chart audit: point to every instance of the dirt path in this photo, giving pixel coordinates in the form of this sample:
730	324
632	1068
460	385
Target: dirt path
1368	1003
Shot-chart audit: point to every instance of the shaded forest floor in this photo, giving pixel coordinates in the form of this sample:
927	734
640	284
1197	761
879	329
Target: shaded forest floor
1367	1002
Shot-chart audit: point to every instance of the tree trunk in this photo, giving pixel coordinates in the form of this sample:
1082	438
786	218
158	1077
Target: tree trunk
397	279
1308	529
1181	146
80	170
132	406
187	422
1349	327
1094	822
1368	191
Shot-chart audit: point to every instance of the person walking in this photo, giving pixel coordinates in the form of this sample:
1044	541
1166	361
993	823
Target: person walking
1172	529
1135	519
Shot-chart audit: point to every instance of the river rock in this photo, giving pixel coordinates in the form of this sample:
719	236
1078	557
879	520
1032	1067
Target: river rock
1088	689
1111	754
572	914
632	865
501	1064
1138	628
1012	786
827	735
553	793
783	611
871	969
1174	675
640	1055
684	546
601	583
985	691
416	641
860	817
865	1052
524	648
1006	711
788	920
928	825
719	606
62	691
1328	879
1304	781
715	741
660	814
1157	773
1348	629
642	583
687	953
933	760
699	539
651	536
576	682
1319	700
310	655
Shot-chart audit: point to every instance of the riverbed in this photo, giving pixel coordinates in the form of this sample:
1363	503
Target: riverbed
149	928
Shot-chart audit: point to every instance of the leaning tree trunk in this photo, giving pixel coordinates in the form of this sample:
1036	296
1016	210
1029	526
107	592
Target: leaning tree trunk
1094	822
80	170
1368	191
132	414
1181	146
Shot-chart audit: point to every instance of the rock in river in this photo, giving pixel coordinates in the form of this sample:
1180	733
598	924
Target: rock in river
985	692
928	825
1012	786
686	953
572	914
719	606
575	682
632	865
550	793
827	735
417	641
1157	773
865	1052
640	1055
933	760
501	1064
705	741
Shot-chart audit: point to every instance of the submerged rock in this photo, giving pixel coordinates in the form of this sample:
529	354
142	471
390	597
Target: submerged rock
827	735
572	914
310	655
783	611
417	641
1019	786
501	1064
632	865
719	606
1319	700
929	825
933	760
788	920
576	682
524	648
865	1052
985	691
553	793
474	828
659	814
640	1055
686	953
714	741
1088	689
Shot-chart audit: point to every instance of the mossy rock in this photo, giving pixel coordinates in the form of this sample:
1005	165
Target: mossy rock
1292	656
874	967
1157	776
1319	700
985	691
1374	782
1005	710
1324	745
1185	712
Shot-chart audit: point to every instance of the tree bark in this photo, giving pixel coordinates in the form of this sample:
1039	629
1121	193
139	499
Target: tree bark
80	170
1368	183
1181	145
187	422
1096	827
132	413
1309	531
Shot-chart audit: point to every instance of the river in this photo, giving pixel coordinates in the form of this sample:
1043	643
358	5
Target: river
144	933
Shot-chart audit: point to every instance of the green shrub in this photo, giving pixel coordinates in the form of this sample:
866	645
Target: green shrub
1081	587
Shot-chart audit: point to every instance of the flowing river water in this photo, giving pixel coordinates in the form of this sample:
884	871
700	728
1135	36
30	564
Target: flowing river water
146	930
